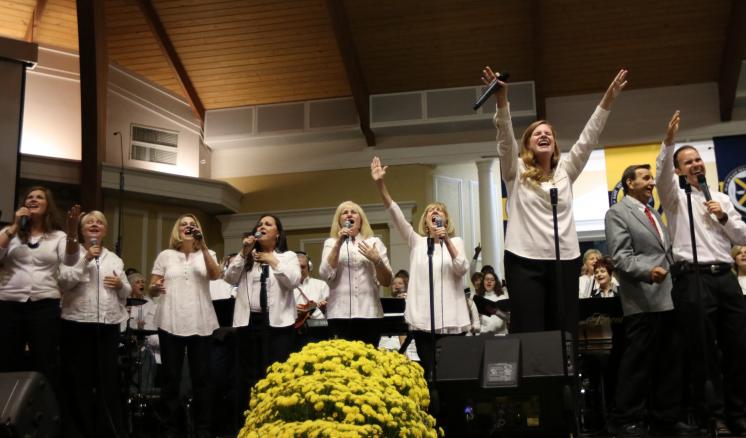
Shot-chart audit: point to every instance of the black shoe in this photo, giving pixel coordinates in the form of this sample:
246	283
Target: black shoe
678	428
737	427
629	430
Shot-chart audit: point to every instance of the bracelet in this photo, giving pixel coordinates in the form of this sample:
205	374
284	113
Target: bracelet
380	261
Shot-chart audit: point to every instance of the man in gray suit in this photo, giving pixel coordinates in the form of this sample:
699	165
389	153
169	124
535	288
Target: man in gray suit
649	389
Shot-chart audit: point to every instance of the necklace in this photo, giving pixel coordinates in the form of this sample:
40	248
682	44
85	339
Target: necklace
34	245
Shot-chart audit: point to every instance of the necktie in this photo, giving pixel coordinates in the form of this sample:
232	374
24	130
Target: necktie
652	221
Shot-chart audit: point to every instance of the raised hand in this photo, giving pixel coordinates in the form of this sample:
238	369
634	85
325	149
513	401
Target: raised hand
73	219
377	172
615	88
488	76
673	128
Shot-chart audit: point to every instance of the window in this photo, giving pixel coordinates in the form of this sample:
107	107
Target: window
153	145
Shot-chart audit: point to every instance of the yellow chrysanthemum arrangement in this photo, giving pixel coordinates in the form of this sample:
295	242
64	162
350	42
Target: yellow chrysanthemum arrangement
340	388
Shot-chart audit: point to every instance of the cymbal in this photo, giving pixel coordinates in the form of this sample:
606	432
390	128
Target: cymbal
143	332
136	301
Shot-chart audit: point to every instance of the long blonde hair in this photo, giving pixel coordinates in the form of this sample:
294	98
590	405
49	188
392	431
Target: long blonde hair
533	172
175	241
365	229
422	227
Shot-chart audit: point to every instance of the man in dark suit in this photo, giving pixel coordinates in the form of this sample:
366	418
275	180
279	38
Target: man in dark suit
649	388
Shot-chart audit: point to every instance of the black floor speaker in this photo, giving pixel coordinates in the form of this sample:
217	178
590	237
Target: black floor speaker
511	385
28	407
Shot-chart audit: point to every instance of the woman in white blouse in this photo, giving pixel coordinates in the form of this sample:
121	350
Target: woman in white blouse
264	321
449	267
602	272
30	258
530	172
354	264
185	319
95	290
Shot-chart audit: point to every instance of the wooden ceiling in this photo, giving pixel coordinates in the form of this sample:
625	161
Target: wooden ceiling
248	52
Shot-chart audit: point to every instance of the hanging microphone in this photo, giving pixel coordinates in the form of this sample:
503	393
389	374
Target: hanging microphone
704	187
553	195
494	86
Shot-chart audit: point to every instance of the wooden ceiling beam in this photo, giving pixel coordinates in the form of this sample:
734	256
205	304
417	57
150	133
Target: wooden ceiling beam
537	42
33	23
347	50
159	32
734	51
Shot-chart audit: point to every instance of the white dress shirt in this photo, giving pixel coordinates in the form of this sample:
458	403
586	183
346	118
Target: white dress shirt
354	291
316	291
221	289
280	284
587	283
493	323
530	232
185	308
85	298
742	282
451	309
31	273
714	241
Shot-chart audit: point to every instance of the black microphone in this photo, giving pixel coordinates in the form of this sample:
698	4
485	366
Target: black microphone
197	234
438	221
24	223
704	187
494	86
553	195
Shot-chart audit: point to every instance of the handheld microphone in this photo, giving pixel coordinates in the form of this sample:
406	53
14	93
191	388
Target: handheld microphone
197	234
704	187
24	223
258	235
94	242
491	89
438	221
348	224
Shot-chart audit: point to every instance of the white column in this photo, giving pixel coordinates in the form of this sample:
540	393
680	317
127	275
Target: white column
490	215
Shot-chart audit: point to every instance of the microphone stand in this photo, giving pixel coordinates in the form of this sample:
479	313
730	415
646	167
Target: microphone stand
709	389
434	399
120	214
265	313
569	395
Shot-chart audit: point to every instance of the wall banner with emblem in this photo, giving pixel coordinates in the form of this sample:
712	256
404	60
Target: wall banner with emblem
730	156
619	158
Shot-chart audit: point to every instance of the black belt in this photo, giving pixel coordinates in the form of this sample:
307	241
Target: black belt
712	269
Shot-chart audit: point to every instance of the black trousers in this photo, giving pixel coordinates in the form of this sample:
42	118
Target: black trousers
36	323
258	347
197	349
367	330
91	378
651	370
724	316
534	294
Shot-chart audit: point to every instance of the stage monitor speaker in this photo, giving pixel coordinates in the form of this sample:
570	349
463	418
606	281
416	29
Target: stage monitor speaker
28	407
513	383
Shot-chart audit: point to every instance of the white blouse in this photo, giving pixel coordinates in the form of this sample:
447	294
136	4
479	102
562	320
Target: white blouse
185	309
530	232
280	285
85	298
451	309
31	273
354	291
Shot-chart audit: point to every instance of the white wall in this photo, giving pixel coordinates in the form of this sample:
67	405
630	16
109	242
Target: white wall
52	126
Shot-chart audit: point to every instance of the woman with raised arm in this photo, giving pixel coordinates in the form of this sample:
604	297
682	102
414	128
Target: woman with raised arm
354	264
185	319
95	290
32	249
264	328
449	267
531	171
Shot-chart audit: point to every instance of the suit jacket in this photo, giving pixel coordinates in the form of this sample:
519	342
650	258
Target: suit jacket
636	248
